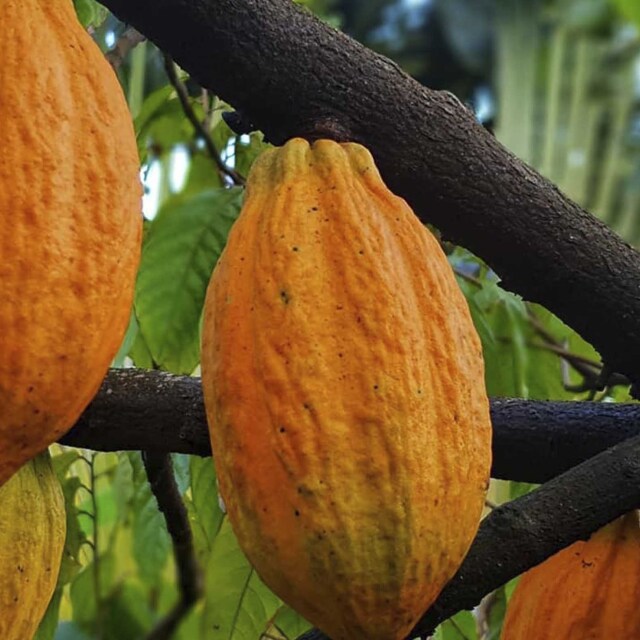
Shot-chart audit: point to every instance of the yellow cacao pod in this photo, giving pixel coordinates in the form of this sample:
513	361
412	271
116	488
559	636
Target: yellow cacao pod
588	591
32	534
344	389
71	223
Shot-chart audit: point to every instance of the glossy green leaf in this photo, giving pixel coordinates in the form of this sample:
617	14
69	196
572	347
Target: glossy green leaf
89	12
238	606
180	251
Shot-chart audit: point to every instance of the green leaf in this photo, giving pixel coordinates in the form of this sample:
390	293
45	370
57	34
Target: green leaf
87	11
204	506
238	606
461	627
201	174
630	9
151	541
83	591
181	469
123	487
290	623
127	342
140	354
127	615
495	614
180	251
75	536
516	362
189	627
162	123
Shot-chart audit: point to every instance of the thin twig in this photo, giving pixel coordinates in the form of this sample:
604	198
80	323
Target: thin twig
159	470
594	374
201	132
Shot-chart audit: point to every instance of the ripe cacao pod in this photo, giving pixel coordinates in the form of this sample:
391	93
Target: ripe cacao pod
343	381
32	535
588	591
71	226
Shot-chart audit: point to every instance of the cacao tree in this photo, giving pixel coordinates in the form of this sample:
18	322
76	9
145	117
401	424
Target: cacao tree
553	292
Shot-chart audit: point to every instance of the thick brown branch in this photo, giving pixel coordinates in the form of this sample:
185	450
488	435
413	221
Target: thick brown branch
290	74
532	441
523	533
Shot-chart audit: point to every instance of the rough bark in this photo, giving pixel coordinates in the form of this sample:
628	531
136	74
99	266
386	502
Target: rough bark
532	441
293	75
524	532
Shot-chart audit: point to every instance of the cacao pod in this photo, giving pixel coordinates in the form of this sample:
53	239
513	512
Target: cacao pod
588	591
32	535
343	382
71	226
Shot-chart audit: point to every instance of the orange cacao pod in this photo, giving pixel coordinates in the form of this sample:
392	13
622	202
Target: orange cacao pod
71	223
588	591
344	387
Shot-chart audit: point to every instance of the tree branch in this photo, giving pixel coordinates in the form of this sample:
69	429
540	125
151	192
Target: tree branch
291	74
201	132
159	470
524	532
532	441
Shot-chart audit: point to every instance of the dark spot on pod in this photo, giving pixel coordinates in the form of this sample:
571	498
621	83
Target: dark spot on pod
282	430
296	513
284	296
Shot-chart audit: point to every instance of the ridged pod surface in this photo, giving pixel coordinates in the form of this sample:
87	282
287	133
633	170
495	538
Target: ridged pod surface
588	591
32	535
344	387
71	225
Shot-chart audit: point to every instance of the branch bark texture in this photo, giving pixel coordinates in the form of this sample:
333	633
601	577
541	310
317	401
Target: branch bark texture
291	75
532	441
